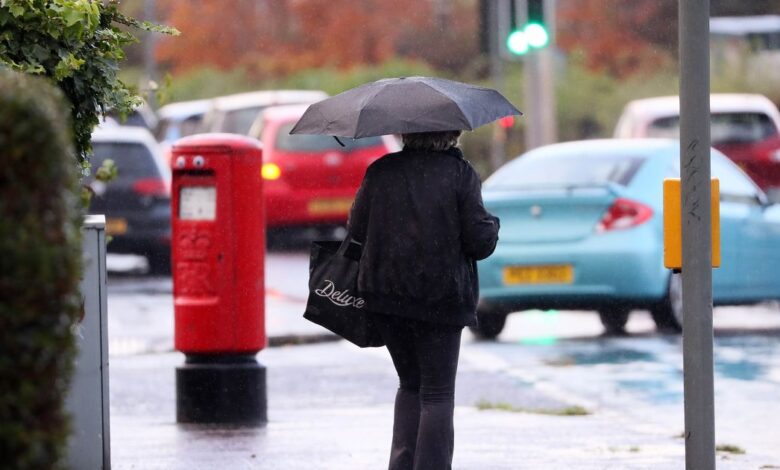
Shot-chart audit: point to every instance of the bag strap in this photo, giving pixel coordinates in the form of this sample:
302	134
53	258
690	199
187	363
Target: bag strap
345	245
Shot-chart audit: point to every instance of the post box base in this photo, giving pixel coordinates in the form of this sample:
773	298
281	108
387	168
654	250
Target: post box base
221	390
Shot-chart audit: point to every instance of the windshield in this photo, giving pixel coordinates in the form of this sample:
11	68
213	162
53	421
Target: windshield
315	143
564	171
725	127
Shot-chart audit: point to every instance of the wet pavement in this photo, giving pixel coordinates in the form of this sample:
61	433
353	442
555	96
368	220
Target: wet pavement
330	404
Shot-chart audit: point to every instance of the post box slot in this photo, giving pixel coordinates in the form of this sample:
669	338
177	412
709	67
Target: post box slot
197	173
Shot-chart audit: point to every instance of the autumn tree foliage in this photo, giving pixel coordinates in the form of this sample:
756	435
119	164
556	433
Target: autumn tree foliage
269	38
619	37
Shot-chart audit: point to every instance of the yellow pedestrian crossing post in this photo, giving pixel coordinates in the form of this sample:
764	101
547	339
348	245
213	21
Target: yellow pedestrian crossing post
673	223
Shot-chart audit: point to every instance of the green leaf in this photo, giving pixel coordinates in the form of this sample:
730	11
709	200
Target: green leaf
67	66
107	171
72	16
17	10
157	28
80	46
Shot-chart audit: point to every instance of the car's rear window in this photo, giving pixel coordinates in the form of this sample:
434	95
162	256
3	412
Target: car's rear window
564	171
315	143
725	127
239	121
132	160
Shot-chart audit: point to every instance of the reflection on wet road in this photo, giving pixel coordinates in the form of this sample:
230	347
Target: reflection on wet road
641	376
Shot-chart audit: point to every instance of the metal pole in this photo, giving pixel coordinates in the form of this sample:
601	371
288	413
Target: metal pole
539	88
495	11
549	125
533	101
696	234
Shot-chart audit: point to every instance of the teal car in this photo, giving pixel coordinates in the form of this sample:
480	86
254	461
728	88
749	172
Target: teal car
582	229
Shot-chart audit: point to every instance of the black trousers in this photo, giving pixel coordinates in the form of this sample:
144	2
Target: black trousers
425	356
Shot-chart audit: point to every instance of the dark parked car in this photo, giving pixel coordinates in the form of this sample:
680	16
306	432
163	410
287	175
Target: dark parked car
137	203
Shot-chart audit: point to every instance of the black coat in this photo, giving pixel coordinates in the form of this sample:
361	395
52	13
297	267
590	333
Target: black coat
420	218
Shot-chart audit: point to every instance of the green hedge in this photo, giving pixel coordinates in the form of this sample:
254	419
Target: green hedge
40	270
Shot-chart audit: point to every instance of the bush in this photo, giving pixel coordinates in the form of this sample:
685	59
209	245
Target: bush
40	268
78	45
208	82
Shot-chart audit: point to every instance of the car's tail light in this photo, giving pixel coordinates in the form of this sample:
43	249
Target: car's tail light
154	187
624	213
271	171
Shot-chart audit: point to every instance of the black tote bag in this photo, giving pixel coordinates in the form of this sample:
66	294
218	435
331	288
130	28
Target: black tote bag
334	302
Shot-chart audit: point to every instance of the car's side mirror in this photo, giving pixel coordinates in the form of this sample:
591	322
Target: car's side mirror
762	199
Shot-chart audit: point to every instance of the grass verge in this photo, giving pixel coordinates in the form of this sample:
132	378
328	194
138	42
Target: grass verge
731	449
483	405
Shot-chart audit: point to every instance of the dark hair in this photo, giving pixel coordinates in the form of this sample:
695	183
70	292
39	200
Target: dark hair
431	141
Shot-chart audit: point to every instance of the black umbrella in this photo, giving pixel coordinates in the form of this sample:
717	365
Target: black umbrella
403	106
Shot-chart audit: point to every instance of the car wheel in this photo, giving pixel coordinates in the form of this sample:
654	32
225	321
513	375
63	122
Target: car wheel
490	323
614	320
159	262
668	314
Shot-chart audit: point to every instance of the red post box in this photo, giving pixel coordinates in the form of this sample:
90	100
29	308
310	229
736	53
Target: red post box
218	247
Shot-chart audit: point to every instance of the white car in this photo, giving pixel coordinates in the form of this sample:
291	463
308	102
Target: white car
745	127
177	120
734	117
236	113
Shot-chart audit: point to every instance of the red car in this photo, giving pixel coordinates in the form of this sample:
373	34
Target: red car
760	160
311	180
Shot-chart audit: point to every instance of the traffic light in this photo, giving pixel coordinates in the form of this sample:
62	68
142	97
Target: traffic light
536	28
533	33
517	42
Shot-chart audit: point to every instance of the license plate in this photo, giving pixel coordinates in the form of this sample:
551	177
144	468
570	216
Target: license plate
115	226
547	274
330	206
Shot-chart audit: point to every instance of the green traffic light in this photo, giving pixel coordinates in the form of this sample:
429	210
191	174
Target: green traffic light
536	35
517	42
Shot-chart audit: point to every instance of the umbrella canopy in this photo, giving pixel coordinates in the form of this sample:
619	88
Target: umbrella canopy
403	106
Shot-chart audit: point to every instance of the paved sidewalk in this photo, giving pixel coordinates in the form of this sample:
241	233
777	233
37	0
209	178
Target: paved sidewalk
330	407
330	403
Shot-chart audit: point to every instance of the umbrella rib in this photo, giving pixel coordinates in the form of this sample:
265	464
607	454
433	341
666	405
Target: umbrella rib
462	115
324	118
363	105
481	103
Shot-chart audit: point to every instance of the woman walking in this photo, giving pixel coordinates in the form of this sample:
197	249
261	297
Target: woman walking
420	218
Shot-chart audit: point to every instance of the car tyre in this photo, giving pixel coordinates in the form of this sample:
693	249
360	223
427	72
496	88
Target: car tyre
668	314
490	323
614	320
